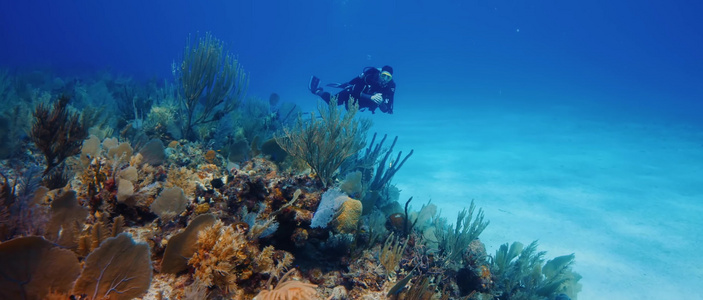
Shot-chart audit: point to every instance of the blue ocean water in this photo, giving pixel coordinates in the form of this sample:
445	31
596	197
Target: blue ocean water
632	55
574	123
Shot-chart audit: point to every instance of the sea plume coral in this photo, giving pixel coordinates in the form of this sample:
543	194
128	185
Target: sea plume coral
226	259
212	83
520	273
218	246
57	132
325	143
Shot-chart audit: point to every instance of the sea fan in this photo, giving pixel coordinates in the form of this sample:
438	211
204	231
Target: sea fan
289	290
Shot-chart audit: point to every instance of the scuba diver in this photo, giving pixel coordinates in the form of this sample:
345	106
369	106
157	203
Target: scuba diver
373	89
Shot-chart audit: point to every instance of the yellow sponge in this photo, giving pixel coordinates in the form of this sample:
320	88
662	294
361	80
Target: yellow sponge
348	216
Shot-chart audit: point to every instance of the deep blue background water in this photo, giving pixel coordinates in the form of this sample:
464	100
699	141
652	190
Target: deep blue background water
636	56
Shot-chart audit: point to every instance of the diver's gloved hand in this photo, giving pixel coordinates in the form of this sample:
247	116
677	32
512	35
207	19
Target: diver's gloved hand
377	97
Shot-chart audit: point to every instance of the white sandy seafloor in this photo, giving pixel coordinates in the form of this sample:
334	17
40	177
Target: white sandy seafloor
625	196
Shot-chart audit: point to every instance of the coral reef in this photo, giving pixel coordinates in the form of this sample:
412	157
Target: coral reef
249	205
247	226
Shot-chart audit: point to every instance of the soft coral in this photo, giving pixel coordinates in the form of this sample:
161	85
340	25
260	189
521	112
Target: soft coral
57	132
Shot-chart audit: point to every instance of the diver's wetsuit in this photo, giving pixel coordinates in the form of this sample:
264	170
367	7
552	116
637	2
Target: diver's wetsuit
362	88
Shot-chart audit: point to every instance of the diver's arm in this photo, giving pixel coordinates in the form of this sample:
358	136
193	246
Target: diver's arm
366	96
386	106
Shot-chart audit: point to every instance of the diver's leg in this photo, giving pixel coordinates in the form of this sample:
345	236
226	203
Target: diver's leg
343	97
324	95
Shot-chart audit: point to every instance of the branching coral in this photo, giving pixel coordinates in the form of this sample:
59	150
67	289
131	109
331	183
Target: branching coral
183	178
454	239
211	80
225	258
161	120
218	245
57	133
374	172
5	83
95	234
266	264
520	273
15	116
422	288
326	142
15	121
384	171
391	253
131	99
22	211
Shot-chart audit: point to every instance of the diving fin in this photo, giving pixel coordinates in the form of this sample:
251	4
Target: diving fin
314	85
